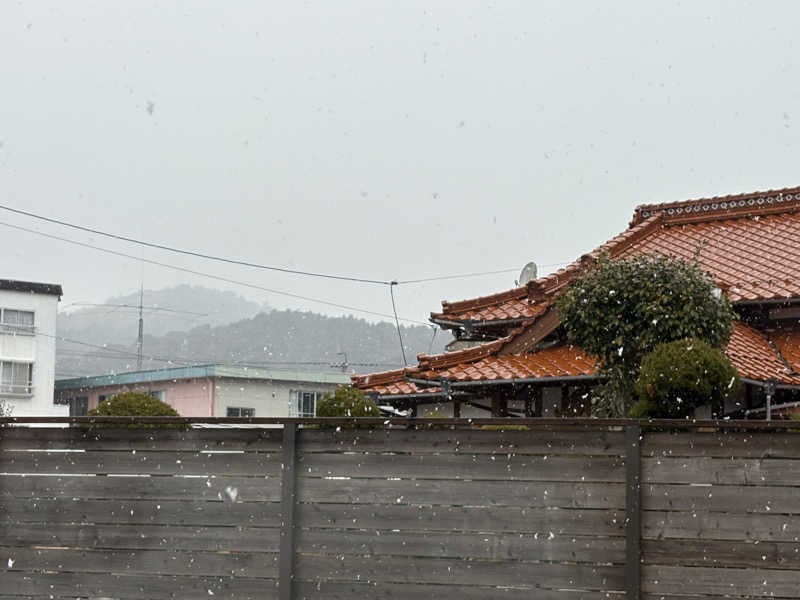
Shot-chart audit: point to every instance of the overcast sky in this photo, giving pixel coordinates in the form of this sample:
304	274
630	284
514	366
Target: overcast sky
376	139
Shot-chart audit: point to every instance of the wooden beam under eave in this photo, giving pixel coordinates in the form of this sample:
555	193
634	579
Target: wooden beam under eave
541	328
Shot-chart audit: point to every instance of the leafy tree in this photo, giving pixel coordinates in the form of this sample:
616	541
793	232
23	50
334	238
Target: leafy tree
134	404
620	310
347	401
679	376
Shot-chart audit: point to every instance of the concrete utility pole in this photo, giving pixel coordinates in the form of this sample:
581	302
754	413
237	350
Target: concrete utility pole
140	340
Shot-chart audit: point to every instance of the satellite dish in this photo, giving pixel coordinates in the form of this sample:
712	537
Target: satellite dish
528	273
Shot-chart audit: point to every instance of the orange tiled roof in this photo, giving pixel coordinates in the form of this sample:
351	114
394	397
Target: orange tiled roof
788	344
748	243
749	350
753	258
402	388
754	357
556	361
503	310
392	383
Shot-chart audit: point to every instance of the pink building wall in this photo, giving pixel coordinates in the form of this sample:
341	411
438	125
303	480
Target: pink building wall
190	397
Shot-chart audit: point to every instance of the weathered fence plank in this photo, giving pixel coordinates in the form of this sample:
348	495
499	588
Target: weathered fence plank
730	498
395	569
363	590
248	489
142	463
727	471
730	444
546	546
163	512
711	553
463	493
446	441
444	519
137	587
721	526
161	440
141	562
697	581
504	467
141	537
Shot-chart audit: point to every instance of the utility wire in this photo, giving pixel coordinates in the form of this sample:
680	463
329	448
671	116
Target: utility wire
104	348
466	275
245	263
238	363
196	254
397	322
462	276
208	275
136	306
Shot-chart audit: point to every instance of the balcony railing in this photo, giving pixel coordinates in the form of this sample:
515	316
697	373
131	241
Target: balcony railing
7	389
17	329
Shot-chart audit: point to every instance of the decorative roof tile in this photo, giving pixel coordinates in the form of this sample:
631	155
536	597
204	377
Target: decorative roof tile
723	207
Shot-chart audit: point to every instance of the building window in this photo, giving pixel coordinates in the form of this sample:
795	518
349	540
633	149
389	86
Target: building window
236	411
101	398
16	378
158	395
303	404
78	407
16	321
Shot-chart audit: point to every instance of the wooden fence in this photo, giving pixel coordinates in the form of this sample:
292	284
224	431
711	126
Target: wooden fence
568	510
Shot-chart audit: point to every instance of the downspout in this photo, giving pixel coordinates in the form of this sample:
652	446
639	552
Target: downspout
769	390
213	388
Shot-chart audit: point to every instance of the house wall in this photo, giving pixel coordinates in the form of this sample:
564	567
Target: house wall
211	396
38	348
190	397
269	398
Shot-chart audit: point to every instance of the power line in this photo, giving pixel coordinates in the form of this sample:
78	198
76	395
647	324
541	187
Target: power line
194	253
245	263
467	275
104	348
210	276
239	363
397	323
462	276
136	306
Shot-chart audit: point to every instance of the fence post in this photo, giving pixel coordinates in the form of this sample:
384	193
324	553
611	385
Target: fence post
633	512
288	502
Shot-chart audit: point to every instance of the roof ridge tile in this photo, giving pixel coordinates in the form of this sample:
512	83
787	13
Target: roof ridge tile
730	206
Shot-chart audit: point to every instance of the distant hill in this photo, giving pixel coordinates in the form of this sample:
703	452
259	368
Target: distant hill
278	339
178	308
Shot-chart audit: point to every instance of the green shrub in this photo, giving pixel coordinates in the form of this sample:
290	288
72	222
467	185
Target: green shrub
347	401
134	404
619	310
679	376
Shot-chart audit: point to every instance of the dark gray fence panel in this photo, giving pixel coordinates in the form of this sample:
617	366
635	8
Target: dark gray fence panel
460	513
721	517
437	513
139	513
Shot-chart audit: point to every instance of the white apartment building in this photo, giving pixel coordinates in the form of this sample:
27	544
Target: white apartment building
28	347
